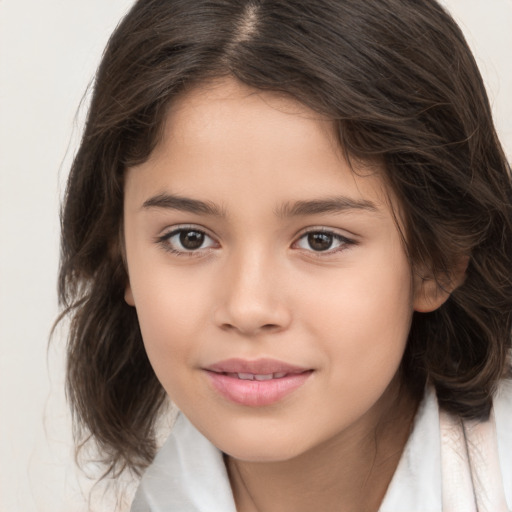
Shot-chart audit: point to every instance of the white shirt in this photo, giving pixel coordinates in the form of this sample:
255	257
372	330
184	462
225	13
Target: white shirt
189	475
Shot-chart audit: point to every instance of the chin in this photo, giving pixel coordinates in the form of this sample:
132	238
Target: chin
263	449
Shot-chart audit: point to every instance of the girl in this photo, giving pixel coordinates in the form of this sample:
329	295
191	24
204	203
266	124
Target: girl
293	219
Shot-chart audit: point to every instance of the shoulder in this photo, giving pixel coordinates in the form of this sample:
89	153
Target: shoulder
502	406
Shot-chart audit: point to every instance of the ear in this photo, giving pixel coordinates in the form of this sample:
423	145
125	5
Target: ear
128	295
431	292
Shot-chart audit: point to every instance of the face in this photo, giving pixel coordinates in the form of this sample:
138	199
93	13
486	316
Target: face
270	282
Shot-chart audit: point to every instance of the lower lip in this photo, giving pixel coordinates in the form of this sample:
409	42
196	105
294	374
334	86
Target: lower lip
257	393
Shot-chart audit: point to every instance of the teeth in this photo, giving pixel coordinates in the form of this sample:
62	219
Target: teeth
246	376
264	377
253	376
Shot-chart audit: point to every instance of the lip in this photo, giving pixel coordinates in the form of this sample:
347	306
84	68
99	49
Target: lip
257	366
256	393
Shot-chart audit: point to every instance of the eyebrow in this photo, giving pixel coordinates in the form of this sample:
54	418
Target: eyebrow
185	204
336	204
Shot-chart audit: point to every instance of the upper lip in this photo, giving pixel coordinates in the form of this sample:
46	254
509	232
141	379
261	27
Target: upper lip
257	367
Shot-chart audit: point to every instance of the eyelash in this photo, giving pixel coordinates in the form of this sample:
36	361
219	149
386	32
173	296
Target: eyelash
164	241
343	241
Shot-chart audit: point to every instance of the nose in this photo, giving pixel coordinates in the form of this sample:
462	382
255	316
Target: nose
252	298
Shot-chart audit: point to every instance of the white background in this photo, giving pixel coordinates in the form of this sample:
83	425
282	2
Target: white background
49	50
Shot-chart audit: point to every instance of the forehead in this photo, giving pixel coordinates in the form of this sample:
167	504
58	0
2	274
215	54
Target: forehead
223	114
225	140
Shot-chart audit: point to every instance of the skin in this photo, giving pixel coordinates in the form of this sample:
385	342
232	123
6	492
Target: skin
256	288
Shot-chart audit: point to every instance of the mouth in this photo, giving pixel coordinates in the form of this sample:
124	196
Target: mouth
256	383
258	367
256	376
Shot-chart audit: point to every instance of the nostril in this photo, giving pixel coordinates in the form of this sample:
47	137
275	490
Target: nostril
251	317
266	327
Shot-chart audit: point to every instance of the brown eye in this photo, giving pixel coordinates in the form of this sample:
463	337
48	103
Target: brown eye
324	241
187	241
320	241
191	240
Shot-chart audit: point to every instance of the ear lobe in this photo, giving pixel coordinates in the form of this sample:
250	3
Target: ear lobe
428	294
431	292
128	295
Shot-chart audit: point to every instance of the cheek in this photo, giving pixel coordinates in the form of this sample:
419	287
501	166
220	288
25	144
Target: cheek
362	329
362	316
172	309
167	326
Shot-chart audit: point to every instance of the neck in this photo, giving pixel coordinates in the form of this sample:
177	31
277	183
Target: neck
348	473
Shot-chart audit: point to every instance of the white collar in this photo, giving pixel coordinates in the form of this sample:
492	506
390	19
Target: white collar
416	484
187	475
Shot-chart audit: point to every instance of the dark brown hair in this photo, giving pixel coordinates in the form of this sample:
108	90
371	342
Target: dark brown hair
400	84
